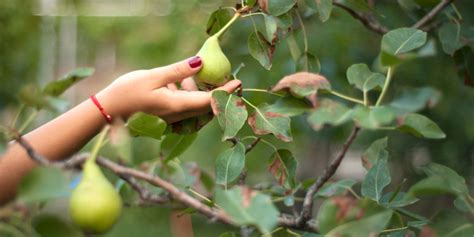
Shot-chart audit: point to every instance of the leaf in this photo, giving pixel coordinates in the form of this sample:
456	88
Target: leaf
421	126
54	226
229	164
402	40
290	106
376	150
324	8
121	142
293	47
329	112
191	125
146	125
32	96
336	188
362	78
276	7
283	167
364	227
247	207
449	223
263	121
145	221
400	200
440	180
308	63
57	88
415	99
373	118
302	84
218	19
261	49
174	145
454	36
464	60
42	184
229	234
230	111
376	180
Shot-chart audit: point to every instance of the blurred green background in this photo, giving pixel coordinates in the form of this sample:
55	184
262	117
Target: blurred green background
41	40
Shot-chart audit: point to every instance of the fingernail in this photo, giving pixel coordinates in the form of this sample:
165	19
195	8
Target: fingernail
195	62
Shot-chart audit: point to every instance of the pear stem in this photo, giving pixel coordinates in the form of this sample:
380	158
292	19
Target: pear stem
98	145
223	29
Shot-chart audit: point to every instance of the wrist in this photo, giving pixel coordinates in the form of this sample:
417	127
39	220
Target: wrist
110	104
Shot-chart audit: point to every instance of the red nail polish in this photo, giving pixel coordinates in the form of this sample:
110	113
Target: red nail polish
195	62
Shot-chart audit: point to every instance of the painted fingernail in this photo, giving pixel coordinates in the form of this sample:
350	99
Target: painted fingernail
195	62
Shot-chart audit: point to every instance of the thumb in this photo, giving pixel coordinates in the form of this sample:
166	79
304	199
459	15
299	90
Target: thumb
176	72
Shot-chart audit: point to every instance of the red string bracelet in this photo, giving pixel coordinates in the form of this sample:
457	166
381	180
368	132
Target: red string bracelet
107	116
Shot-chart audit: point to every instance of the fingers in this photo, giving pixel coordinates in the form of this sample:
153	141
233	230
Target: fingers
230	86
188	84
176	72
172	86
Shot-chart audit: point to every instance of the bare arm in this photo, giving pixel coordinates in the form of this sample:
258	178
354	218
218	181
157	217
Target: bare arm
152	91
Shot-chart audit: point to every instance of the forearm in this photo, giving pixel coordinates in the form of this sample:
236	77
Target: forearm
56	140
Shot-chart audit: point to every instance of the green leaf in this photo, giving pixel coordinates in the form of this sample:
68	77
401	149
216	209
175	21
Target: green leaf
229	164
290	106
421	126
295	51
441	180
121	142
450	223
376	180
57	88
454	36
402	40
373	153
174	145
247	207
54	226
308	63
10	230
218	19
329	112
283	167
276	7
415	99
364	227
146	125
263	121
336	188
261	49
42	184
230	111
400	200
324	8
362	78
373	118
147	221
229	234
191	125
271	27
464	60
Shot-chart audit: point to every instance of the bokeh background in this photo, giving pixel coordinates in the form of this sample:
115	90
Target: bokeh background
43	39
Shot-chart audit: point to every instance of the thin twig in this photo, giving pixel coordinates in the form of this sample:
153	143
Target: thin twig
428	17
145	194
368	21
306	211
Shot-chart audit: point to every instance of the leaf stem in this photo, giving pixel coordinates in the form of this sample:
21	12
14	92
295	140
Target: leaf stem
262	90
253	14
303	30
98	144
385	86
223	29
346	97
20	110
394	229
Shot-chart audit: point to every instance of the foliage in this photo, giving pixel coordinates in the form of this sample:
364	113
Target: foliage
379	207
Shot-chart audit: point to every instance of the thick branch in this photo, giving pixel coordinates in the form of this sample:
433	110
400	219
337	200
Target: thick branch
368	21
145	194
428	17
306	212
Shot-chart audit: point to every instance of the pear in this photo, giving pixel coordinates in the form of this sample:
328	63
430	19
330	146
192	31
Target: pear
216	68
94	205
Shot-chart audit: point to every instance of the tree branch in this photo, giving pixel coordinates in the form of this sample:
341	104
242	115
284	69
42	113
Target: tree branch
368	21
428	17
145	194
306	211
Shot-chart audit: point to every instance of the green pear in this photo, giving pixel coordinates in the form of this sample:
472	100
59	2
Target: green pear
94	206
216	67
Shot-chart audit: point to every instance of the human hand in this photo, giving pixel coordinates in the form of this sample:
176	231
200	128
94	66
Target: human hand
155	92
